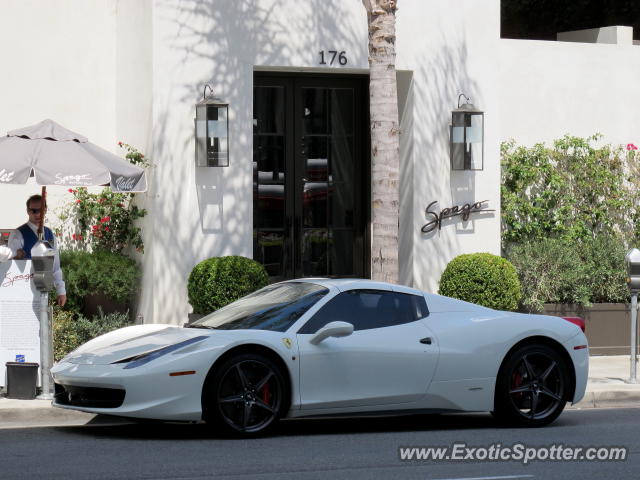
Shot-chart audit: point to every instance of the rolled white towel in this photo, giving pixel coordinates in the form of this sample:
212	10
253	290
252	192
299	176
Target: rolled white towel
5	253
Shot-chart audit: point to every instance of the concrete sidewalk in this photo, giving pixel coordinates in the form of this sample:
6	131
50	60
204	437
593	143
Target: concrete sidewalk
608	387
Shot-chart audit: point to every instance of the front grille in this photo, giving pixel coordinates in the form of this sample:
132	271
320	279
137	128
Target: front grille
91	397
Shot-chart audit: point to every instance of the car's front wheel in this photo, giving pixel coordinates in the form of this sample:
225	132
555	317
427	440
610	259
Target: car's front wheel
532	387
245	395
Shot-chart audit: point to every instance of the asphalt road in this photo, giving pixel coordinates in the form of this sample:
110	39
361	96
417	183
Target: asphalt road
316	449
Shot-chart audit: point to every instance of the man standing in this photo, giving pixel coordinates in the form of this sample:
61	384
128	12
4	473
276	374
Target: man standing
22	240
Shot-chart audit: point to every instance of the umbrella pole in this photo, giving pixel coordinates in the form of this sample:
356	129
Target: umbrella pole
46	359
43	211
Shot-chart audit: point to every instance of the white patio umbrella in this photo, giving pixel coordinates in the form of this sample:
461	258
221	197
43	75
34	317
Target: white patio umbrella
58	156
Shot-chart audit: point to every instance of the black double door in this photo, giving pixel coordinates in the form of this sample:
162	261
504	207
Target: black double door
311	175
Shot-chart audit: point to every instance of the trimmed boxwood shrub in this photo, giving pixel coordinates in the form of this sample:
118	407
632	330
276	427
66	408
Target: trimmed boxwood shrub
98	273
218	281
484	279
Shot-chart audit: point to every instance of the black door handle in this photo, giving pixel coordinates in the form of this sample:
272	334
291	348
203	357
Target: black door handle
426	340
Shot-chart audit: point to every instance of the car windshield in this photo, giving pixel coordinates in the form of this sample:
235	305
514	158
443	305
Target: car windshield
275	308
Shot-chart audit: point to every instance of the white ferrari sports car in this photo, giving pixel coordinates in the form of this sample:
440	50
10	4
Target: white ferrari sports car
314	347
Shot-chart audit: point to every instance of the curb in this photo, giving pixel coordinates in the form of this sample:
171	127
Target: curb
42	416
608	399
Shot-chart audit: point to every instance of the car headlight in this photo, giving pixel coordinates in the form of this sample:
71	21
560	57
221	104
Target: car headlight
144	358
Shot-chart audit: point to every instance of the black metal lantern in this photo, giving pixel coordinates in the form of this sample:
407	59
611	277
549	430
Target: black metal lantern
212	131
467	137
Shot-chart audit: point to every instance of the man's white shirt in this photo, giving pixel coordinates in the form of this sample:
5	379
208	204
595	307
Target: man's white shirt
16	241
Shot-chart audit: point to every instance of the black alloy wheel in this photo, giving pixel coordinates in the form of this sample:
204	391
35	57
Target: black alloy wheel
532	387
245	395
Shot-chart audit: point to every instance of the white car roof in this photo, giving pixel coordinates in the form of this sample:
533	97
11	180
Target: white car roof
343	284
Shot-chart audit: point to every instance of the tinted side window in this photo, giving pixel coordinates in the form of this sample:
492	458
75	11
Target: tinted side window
420	305
367	309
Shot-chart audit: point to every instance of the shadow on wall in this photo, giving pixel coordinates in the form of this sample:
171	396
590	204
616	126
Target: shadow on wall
221	41
210	189
443	77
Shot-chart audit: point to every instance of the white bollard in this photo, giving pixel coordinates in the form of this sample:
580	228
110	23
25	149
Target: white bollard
46	354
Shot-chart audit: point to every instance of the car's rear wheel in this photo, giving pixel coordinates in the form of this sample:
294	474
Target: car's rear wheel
532	387
245	395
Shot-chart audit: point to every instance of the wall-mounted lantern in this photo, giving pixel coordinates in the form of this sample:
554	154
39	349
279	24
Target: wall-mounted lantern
467	137
212	131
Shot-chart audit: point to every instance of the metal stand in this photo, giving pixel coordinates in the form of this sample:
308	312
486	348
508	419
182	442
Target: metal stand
634	335
46	357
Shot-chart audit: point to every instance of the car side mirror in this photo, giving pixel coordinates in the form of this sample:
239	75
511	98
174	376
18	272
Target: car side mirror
332	329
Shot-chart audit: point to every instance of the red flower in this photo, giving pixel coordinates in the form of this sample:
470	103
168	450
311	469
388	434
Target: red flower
631	146
95	227
74	236
80	237
70	190
105	219
119	144
101	200
78	201
106	229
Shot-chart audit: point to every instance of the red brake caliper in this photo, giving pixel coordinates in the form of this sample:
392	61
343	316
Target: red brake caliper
516	381
266	393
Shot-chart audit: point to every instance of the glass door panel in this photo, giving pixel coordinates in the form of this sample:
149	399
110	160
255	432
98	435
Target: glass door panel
328	184
269	175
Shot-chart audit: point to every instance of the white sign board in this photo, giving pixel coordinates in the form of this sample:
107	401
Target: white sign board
19	315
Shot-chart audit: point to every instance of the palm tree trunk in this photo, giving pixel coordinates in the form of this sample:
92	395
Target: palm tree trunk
385	145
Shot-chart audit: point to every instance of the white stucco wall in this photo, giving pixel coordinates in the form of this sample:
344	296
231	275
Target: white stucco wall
619	35
549	89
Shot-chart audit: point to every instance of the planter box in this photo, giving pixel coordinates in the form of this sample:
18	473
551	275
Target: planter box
607	328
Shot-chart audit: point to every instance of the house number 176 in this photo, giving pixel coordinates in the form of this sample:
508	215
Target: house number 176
333	56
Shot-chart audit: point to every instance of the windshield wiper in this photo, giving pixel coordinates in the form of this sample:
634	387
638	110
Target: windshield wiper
200	326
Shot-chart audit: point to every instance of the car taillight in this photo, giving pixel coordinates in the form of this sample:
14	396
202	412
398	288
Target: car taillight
576	321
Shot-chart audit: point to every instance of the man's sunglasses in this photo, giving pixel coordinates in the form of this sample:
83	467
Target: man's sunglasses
35	210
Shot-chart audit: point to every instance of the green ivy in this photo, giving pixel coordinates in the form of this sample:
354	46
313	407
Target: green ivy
218	281
573	191
482	278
